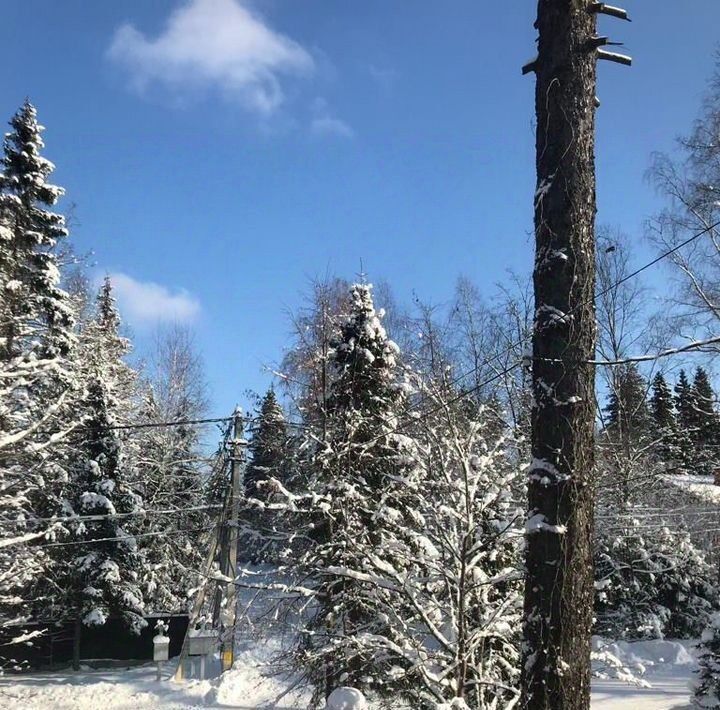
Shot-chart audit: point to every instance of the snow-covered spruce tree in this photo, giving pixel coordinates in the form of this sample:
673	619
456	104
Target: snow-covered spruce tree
104	569
36	336
99	572
663	426
651	581
356	471
447	580
268	446
706	424
706	688
627	433
686	420
270	465
172	469
627	412
35	314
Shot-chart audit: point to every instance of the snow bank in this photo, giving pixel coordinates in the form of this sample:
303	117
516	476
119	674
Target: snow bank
648	653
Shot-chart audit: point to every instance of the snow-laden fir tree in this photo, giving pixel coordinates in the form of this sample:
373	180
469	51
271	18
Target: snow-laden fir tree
268	446
36	337
447	579
684	404
104	568
100	572
706	688
356	473
35	313
271	463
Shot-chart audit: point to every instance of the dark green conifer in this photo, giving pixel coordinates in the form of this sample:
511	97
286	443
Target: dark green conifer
663	418
706	428
268	447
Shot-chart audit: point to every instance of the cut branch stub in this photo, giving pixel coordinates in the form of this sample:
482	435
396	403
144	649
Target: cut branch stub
614	57
605	9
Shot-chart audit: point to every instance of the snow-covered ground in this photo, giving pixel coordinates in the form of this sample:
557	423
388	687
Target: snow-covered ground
668	667
246	686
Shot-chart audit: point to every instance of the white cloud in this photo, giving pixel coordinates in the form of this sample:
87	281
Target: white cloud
327	125
146	303
324	123
218	44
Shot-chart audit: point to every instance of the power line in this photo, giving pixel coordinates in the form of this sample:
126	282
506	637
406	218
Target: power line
125	538
686	513
592	300
111	516
154	425
507	370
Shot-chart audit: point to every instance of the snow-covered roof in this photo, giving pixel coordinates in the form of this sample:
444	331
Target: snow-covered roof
702	487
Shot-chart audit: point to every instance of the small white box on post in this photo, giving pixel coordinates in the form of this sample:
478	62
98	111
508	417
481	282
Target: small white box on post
161	646
202	642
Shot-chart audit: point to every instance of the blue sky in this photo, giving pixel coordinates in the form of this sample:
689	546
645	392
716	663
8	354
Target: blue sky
221	152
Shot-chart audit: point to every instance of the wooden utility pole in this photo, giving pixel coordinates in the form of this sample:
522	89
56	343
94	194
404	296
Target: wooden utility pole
197	605
229	554
559	582
219	549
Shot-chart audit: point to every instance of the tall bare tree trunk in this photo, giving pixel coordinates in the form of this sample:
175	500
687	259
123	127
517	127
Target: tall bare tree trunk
559	593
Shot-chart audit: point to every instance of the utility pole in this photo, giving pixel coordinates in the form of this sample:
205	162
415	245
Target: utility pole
197	605
229	553
219	549
559	581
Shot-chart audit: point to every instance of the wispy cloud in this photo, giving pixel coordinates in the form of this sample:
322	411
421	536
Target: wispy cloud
329	126
324	123
144	303
214	44
384	76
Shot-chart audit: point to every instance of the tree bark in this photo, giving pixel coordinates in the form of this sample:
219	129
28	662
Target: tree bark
559	588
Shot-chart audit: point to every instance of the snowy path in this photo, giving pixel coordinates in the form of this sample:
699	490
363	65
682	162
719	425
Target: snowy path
669	693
